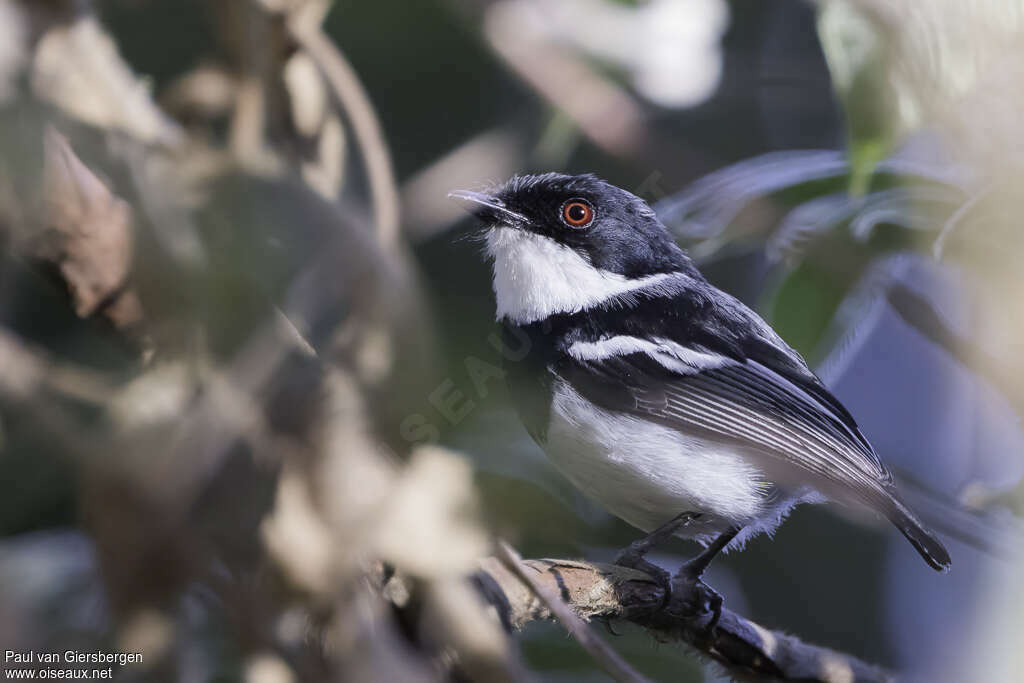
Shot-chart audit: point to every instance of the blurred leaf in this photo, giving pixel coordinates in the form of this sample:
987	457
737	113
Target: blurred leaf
803	305
708	206
858	61
706	209
908	207
88	235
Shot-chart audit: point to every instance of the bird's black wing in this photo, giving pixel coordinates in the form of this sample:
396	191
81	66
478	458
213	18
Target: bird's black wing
744	401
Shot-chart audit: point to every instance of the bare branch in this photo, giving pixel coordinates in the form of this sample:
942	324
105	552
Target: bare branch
604	655
746	649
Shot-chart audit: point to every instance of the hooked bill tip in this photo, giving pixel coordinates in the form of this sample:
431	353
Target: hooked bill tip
487	207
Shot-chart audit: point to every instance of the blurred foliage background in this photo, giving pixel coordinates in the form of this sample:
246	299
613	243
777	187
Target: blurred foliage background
264	376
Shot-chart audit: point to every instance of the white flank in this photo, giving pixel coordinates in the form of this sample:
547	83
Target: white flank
670	354
535	277
647	473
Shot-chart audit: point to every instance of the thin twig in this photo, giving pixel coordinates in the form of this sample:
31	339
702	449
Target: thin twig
609	659
354	101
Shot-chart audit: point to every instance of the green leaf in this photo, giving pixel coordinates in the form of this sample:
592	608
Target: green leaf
803	305
859	62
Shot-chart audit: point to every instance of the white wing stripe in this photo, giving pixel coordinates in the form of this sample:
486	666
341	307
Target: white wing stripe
672	355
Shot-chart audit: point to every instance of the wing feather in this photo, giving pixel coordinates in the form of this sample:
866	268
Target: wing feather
744	402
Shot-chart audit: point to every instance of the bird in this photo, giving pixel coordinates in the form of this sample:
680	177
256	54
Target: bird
662	397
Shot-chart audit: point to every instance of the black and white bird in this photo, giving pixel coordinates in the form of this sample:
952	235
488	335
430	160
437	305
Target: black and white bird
665	399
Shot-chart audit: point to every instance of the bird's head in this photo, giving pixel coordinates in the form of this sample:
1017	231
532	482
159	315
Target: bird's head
564	243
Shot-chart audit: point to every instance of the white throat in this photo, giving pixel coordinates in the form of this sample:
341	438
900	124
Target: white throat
535	277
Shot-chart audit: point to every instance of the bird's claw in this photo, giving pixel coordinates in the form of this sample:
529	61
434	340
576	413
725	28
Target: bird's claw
633	556
692	598
631	560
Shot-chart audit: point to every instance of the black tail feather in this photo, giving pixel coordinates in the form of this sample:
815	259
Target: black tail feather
993	531
923	540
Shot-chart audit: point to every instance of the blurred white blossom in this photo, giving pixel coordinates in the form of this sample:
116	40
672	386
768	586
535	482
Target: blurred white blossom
950	65
671	50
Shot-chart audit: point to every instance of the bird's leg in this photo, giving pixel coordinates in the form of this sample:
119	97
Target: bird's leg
695	567
633	556
690	590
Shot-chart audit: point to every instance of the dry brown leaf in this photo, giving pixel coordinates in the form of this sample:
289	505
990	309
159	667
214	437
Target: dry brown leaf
88	234
77	67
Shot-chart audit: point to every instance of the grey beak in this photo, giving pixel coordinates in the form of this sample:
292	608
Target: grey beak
487	208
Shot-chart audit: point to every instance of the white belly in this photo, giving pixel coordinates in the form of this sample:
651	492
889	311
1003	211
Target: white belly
647	474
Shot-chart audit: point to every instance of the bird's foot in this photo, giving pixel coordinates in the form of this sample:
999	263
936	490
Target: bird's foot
692	598
633	556
660	577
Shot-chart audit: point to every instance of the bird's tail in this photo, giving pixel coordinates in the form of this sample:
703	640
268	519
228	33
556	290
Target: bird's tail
995	531
923	540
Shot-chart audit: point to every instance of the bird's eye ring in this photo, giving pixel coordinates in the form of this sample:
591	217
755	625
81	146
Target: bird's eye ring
577	213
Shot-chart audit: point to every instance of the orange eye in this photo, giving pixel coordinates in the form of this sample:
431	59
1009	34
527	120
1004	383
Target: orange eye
577	213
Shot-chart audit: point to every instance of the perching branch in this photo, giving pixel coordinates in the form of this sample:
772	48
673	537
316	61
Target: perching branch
746	649
609	659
